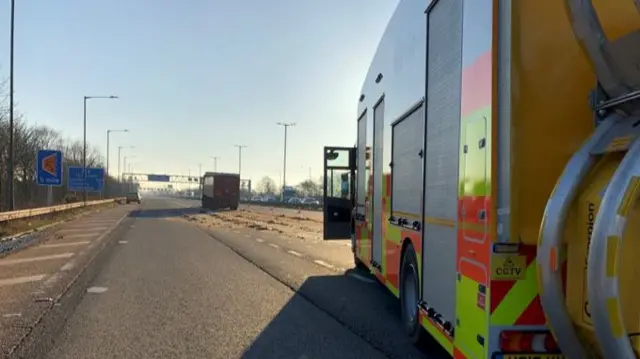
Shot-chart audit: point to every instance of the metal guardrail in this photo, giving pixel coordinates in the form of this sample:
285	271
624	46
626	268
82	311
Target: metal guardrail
33	212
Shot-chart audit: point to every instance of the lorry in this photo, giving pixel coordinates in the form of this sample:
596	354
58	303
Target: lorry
494	185
220	190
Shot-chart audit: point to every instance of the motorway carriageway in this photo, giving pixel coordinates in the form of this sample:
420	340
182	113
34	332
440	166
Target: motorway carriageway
162	279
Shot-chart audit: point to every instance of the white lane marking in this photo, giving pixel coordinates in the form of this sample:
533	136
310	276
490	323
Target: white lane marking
259	240
90	229
91	224
123	242
294	253
7	262
68	266
68	244
21	280
96	290
51	280
274	245
323	263
360	277
11	315
81	235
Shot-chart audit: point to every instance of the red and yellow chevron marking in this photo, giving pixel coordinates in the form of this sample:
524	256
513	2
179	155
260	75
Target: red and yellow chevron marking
517	302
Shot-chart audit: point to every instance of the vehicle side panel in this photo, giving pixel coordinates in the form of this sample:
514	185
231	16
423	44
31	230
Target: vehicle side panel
399	67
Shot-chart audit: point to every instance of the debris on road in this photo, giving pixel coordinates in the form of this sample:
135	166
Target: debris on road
294	224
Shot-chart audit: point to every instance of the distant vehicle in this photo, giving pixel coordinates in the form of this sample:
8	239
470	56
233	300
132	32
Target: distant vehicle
269	199
294	200
311	201
221	190
133	197
256	199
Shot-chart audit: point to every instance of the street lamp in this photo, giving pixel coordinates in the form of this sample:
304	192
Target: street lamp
106	180
84	141
11	206
240	147
124	167
215	163
284	167
120	148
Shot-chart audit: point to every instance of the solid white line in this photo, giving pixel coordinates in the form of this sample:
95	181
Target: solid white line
259	240
51	280
323	263
81	235
11	315
274	245
7	262
97	290
91	229
294	253
123	242
68	266
58	245
21	280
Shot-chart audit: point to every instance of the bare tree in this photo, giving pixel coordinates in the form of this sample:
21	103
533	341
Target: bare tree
28	141
309	188
267	185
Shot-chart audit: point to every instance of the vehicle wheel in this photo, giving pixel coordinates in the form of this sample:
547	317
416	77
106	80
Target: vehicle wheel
410	294
127	202
359	263
235	208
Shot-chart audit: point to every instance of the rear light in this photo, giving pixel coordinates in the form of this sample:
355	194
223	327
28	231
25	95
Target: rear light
527	342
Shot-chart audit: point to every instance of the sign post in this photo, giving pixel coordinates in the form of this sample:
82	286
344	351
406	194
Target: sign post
49	171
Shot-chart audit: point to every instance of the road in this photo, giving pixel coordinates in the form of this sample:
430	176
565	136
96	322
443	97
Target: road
166	287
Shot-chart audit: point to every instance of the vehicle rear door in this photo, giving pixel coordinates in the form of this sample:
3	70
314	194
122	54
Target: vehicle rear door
338	191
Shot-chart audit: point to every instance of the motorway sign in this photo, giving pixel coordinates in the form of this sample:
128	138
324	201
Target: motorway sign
95	179
49	171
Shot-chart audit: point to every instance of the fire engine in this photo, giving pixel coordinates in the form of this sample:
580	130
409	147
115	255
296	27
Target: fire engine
496	175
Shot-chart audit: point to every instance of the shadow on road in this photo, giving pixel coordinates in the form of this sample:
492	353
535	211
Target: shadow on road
165	212
361	305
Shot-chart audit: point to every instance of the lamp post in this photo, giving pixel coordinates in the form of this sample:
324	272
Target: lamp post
215	163
284	167
106	180
240	147
120	148
124	167
84	141
11	205
124	170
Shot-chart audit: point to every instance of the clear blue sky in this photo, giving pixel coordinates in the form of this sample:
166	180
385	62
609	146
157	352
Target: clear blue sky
195	79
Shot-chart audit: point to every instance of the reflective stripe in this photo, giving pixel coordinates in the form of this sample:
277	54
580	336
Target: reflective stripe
517	299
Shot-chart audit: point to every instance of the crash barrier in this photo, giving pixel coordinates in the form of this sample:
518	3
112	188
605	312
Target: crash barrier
306	207
34	212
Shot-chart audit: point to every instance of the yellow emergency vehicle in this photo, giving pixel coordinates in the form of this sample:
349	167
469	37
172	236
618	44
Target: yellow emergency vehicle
496	176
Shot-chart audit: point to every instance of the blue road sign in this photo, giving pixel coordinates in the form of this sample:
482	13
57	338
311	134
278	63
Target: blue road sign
158	178
49	171
95	179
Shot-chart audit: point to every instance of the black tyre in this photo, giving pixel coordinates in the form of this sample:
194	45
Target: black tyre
359	263
410	295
